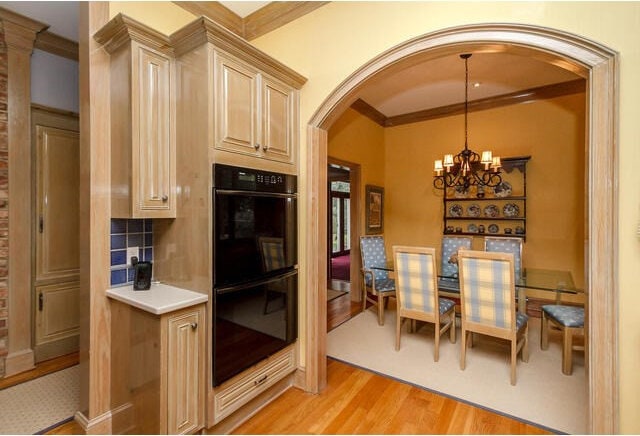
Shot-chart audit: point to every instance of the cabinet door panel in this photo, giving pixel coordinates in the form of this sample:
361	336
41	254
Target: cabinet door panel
154	133
58	182
277	121
58	312
183	372
236	106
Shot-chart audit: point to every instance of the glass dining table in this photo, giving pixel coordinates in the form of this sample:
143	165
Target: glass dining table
556	281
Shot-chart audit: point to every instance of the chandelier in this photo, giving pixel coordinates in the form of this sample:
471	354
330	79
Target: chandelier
467	168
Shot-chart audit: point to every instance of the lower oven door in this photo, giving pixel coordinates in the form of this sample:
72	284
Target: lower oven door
253	321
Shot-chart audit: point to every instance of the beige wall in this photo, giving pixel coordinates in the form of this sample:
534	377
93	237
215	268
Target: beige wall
332	42
357	139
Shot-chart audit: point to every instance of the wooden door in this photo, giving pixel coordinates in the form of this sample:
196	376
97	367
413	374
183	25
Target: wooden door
152	163
185	364
236	103
277	120
56	252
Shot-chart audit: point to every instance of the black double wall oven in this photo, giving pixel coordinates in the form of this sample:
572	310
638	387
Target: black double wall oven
255	267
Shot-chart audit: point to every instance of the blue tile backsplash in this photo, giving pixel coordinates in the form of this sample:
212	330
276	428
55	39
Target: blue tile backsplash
129	233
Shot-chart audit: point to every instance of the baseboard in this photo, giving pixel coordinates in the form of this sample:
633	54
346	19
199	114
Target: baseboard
101	424
18	362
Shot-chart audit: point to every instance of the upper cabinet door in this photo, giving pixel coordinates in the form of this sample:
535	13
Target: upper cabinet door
236	106
278	103
154	154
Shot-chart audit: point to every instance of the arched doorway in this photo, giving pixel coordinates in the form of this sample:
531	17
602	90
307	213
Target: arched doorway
598	65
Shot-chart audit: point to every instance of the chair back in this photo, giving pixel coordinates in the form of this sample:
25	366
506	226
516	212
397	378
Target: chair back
507	245
272	253
416	281
373	255
450	247
487	291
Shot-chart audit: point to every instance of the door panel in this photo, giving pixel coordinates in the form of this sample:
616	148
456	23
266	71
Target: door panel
57	319
57	203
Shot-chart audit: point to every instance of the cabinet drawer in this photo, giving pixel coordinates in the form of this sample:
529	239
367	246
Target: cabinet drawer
240	390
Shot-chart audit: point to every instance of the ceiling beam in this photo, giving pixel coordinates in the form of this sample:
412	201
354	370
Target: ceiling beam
264	20
57	45
527	95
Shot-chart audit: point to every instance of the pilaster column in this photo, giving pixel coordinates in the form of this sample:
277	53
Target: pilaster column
20	34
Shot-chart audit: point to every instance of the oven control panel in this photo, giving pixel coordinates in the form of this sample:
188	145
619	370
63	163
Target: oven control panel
249	179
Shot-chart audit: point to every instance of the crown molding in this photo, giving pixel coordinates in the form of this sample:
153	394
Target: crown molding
527	95
122	29
264	20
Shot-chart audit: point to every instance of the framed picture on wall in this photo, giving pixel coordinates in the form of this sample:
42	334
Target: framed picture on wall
374	209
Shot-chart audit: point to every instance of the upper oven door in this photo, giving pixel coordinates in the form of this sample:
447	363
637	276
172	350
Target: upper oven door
254	235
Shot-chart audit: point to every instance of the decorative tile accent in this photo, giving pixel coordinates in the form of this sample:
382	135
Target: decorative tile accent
127	233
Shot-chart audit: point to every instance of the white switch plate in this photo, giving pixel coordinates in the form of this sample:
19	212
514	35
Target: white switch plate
132	251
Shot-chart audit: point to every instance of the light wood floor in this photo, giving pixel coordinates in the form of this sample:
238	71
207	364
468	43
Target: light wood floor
361	402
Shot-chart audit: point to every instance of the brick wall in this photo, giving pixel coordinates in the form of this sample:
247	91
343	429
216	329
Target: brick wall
4	208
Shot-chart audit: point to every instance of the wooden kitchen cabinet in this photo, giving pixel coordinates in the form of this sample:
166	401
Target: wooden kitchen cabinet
143	148
159	360
255	113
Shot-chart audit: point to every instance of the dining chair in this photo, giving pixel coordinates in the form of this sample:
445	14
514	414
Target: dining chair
488	307
417	293
450	247
569	319
375	276
507	245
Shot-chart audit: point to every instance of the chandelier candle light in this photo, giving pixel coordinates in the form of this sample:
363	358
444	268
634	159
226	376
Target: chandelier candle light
467	168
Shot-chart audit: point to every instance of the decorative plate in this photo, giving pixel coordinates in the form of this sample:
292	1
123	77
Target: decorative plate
472	228
510	210
502	190
460	192
473	210
493	228
455	210
492	211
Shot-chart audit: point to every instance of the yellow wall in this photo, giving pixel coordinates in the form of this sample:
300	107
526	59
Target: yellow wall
555	176
332	42
357	139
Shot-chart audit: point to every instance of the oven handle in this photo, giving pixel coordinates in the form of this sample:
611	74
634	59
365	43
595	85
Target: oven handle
254	193
234	288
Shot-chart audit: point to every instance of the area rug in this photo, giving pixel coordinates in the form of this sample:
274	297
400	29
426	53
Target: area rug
36	405
333	294
543	396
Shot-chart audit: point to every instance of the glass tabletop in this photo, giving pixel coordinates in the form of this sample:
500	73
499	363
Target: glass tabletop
532	278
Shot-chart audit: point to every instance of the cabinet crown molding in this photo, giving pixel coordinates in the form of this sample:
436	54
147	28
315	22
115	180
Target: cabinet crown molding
203	30
123	29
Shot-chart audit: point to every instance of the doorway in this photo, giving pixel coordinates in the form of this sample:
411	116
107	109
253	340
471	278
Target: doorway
595	63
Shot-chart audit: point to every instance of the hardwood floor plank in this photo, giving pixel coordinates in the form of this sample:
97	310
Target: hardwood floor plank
361	402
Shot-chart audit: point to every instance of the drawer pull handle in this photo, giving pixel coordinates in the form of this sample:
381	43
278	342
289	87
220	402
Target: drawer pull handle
194	325
256	146
265	147
164	198
260	380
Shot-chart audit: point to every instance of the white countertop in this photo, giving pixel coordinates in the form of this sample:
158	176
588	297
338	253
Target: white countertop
159	299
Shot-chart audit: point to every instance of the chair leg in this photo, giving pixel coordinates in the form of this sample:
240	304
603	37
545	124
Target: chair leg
452	327
514	354
436	351
463	360
398	328
525	347
544	332
380	309
567	348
